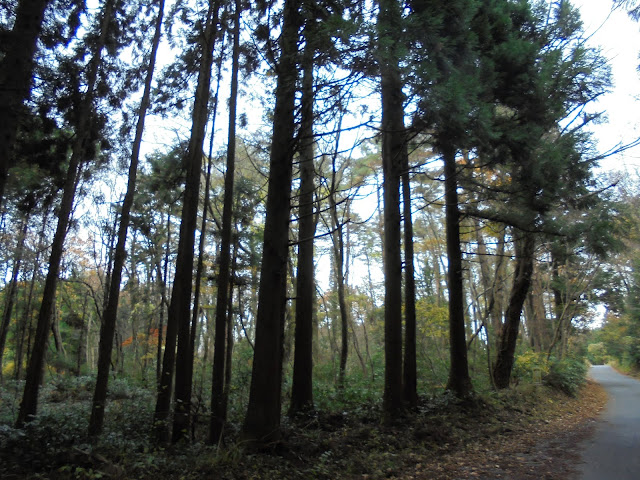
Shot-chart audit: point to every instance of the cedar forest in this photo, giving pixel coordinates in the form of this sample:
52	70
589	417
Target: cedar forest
219	218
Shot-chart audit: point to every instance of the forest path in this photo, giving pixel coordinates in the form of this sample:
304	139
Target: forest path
613	452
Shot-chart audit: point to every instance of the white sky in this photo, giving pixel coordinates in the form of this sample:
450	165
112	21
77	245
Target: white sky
619	38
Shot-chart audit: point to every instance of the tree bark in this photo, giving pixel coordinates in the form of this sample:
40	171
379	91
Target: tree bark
29	404
162	283
178	317
459	381
262	421
57	337
393	148
302	382
536	315
410	369
110	316
338	267
228	367
508	337
218	408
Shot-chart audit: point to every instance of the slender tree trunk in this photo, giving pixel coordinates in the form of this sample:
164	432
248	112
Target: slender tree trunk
228	365
55	330
28	323
29	404
485	274
393	149
337	238
499	290
459	381
218	409
162	281
410	369
558	261
110	316
203	228
82	341
262	421
12	290
16	75
302	386
537	318
508	338
25	330
338	266
179	318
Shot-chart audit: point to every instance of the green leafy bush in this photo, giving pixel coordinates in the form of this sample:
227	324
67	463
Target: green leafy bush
567	375
597	353
527	364
63	388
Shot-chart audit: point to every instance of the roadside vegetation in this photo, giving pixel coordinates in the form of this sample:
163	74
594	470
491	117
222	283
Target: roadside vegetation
343	438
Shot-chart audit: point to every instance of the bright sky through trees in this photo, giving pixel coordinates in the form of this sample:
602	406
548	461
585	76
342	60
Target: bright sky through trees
619	38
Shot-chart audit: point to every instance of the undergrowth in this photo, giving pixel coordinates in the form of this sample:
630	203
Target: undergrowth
343	438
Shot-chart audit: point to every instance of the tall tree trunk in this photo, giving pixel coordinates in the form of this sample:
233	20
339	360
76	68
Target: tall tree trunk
459	381
302	386
228	365
16	76
393	149
29	404
203	230
110	316
12	290
410	369
179	318
338	267
218	408
162	283
508	337
262	421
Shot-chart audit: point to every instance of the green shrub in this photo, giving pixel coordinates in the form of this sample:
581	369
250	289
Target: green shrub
65	388
527	364
597	353
567	375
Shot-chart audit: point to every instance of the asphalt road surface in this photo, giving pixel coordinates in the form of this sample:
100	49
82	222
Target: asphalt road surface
614	451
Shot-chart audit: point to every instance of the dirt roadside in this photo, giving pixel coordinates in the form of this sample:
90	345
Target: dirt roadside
548	448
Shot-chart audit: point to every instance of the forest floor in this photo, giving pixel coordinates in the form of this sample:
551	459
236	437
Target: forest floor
542	443
528	432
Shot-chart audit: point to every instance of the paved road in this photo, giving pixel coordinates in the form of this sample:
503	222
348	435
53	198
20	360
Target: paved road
614	451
